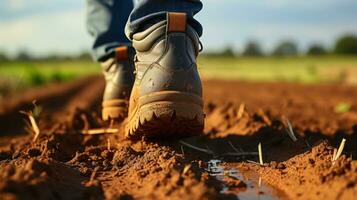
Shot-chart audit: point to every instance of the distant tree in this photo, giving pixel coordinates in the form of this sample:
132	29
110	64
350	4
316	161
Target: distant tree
252	48
346	45
316	49
84	56
3	56
285	48
228	52
23	55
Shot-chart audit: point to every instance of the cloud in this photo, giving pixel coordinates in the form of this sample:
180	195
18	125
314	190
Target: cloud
18	5
234	22
63	32
52	25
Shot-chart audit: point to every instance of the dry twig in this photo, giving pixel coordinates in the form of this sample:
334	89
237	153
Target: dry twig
93	175
241	110
260	182
182	151
108	144
186	169
260	154
223	154
339	151
34	126
289	130
233	147
334	154
240	154
253	162
99	131
197	148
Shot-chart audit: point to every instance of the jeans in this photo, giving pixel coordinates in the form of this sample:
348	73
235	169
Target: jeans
112	23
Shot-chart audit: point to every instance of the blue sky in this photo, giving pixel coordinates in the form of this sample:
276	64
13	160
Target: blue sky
46	26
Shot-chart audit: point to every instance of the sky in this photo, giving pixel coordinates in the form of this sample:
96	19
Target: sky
58	26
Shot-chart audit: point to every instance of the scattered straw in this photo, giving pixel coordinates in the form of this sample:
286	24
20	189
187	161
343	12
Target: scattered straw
260	182
308	144
100	131
182	151
253	162
112	122
241	110
186	169
197	148
339	151
334	154
260	154
233	147
33	123
93	175
289	130
239	154
207	151
108	144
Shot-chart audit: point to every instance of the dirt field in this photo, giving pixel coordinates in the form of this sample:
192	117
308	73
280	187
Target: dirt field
64	164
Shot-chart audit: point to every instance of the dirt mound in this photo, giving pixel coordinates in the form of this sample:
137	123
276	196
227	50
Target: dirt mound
65	164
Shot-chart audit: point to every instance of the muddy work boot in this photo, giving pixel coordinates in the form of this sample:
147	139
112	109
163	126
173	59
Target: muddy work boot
119	76
166	99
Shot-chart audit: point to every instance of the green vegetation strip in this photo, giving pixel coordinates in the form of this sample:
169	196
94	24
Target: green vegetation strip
16	76
291	69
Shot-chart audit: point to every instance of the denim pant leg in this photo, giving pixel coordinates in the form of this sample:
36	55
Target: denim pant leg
106	21
148	12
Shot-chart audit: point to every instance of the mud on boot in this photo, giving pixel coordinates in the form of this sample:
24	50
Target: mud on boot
166	99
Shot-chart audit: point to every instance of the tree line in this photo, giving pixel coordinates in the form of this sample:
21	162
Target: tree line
345	45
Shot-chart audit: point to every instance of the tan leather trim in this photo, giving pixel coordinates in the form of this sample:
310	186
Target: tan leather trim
121	53
176	22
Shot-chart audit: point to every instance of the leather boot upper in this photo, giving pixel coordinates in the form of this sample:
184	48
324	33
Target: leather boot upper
119	74
166	58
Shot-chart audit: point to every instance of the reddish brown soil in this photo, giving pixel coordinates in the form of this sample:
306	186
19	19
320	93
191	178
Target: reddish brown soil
64	164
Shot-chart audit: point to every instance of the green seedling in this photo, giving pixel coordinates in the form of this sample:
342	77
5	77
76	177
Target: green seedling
36	110
342	107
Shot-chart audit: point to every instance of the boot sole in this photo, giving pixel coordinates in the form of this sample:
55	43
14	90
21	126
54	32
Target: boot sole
115	109
166	113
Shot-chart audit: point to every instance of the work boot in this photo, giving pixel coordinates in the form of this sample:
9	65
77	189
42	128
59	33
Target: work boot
119	76
166	98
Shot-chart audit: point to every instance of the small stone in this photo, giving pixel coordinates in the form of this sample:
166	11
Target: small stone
34	152
274	164
4	155
280	166
16	155
233	182
202	164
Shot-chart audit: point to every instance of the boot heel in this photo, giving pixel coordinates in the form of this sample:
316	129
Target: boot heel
167	113
116	109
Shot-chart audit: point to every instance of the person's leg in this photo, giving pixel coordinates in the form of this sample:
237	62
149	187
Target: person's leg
166	98
148	12
106	21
